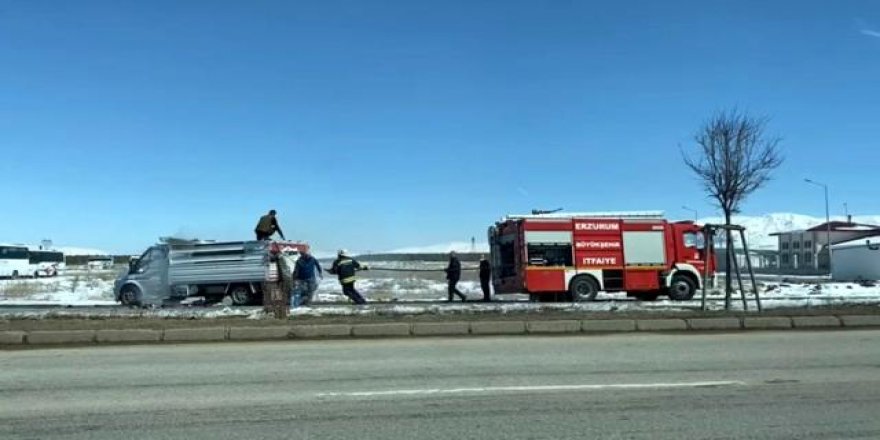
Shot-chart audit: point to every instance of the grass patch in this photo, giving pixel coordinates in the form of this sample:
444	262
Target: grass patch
19	289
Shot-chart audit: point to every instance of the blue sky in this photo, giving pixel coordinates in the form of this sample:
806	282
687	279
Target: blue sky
377	125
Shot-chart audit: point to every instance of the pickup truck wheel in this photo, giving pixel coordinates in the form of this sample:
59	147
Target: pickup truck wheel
582	288
130	296
682	288
240	295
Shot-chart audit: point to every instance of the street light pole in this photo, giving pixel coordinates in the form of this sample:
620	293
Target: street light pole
696	214
827	220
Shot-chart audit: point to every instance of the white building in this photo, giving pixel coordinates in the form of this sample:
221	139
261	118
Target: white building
806	251
856	260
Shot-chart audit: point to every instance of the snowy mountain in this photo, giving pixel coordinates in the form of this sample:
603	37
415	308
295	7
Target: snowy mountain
759	228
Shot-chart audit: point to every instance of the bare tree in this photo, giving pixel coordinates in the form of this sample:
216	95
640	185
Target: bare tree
734	157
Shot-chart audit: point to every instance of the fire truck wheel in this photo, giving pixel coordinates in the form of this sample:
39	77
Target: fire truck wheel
130	296
583	288
240	295
682	288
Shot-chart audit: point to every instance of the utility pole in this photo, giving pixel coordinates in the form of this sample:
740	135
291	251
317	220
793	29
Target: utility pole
827	220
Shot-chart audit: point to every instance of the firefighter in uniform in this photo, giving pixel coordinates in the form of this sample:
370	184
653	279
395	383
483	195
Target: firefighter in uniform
485	278
345	268
267	226
453	275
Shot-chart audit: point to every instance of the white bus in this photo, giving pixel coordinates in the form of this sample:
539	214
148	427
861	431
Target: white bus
46	263
14	261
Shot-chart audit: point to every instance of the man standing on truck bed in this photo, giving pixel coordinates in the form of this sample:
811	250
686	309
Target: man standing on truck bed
267	226
345	268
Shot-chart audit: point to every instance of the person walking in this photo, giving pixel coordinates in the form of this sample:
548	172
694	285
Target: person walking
453	275
306	272
485	277
345	268
267	226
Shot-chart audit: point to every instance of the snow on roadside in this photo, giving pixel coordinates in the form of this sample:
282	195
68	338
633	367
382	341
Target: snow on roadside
414	293
69	289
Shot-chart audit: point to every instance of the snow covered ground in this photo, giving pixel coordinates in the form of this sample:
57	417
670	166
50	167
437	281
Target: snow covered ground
394	290
72	288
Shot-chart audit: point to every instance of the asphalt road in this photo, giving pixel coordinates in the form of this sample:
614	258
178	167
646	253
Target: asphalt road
773	385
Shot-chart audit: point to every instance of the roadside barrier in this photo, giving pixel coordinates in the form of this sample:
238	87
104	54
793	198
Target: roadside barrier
251	332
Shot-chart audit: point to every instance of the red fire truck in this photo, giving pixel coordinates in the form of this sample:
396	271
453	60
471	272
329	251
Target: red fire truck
578	255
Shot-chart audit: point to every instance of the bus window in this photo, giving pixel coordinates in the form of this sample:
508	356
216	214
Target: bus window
13	253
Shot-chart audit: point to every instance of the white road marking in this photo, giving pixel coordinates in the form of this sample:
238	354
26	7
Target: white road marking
527	388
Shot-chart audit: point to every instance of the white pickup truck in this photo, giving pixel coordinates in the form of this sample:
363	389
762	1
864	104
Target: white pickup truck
176	269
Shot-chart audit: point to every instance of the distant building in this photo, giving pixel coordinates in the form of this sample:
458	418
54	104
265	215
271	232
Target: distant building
806	251
856	260
763	260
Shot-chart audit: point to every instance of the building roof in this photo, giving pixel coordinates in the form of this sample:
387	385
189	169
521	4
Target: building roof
844	226
836	226
873	240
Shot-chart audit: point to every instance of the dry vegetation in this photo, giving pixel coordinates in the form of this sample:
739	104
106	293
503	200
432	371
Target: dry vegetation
24	288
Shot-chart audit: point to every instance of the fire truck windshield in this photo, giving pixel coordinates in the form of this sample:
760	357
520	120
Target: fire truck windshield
694	240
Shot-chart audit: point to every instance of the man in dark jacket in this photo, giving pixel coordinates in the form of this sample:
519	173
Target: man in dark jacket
267	226
306	272
453	274
485	277
345	268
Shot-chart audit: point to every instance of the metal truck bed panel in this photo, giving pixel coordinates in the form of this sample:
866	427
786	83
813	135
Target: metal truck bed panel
218	263
217	272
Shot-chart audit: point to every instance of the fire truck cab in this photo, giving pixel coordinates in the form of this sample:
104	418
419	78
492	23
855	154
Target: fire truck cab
578	255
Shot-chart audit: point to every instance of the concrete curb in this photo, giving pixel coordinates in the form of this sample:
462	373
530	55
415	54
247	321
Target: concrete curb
860	320
376	330
129	335
725	323
440	328
608	325
767	322
258	333
498	327
320	331
815	321
194	334
660	325
13	338
60	337
561	326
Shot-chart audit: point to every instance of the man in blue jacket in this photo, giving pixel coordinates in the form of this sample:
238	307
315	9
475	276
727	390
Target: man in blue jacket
306	272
